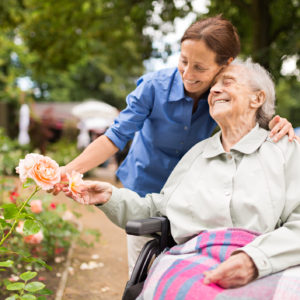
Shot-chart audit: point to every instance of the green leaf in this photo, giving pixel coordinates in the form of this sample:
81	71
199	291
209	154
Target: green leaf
29	182
12	297
10	211
7	263
3	249
45	291
3	224
31	227
34	286
41	298
28	297
28	275
39	261
15	286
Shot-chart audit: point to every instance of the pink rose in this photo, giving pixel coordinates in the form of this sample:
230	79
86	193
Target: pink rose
19	228
36	206
42	169
34	239
25	165
75	182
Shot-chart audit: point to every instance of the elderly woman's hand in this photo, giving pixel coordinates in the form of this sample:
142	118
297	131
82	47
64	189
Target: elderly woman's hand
236	271
280	127
90	192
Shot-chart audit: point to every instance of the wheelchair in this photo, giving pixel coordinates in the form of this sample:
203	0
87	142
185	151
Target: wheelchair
159	229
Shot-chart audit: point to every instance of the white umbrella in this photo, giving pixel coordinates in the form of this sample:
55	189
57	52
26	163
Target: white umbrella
97	123
95	109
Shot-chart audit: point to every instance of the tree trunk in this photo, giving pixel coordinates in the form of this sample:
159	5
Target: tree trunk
261	31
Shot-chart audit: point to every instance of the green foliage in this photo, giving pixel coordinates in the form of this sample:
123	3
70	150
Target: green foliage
63	151
99	53
22	287
10	153
269	32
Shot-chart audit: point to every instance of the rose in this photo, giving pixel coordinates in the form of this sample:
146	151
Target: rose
30	239
25	165
34	239
20	227
75	182
52	205
36	206
42	169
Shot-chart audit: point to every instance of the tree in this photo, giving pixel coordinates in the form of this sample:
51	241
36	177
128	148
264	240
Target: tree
102	37
269	32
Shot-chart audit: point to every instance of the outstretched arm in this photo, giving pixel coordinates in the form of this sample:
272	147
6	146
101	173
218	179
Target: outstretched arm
96	153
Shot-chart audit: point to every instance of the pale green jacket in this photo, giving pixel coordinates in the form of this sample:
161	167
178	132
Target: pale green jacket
256	186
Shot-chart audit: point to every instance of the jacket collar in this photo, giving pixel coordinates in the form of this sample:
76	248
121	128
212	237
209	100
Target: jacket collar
246	145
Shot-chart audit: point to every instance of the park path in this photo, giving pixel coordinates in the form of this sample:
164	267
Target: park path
99	272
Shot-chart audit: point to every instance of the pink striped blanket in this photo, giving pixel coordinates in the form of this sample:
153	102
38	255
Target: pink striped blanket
177	274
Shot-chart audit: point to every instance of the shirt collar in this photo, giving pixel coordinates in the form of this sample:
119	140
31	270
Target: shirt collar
246	145
177	88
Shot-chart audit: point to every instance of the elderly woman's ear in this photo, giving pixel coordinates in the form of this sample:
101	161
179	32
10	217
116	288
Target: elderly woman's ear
258	99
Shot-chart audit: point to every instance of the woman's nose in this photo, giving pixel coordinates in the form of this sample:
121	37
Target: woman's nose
216	88
187	72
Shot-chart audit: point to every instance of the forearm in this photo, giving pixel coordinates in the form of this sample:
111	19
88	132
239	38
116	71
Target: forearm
125	205
96	153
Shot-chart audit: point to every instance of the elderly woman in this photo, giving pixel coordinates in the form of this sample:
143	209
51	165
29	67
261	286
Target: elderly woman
235	221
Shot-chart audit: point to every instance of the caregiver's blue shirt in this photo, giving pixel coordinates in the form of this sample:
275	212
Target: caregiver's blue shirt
159	118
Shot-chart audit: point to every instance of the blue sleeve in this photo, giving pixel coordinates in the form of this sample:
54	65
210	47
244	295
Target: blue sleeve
131	119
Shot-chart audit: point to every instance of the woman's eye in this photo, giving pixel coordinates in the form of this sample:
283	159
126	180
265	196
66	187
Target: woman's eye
227	81
199	69
184	62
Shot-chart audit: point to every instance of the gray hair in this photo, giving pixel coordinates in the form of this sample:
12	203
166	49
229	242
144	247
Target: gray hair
260	80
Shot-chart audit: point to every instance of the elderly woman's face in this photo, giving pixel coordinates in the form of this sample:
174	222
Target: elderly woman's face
197	67
230	94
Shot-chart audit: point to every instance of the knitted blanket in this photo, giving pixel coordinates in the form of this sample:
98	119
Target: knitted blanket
178	273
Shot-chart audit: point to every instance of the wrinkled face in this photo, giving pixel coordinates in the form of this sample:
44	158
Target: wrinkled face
231	94
197	67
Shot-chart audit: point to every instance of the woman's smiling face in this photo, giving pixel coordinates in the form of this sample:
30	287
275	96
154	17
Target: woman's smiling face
197	67
230	95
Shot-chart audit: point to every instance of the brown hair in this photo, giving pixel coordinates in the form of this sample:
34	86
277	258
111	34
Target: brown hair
218	34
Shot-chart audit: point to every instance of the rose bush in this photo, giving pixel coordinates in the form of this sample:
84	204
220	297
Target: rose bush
34	230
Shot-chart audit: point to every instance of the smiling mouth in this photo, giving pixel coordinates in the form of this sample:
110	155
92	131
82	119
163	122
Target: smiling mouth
191	81
221	101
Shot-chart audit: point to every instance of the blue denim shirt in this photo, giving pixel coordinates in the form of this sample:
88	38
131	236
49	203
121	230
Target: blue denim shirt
159	118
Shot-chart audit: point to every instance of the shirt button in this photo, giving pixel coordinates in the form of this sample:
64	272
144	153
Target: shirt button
227	194
264	263
177	151
186	128
181	143
229	156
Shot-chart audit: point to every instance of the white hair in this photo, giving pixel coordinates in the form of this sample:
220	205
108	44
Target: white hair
260	80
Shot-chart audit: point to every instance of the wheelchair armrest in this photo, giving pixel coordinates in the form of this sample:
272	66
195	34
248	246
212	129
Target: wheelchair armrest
152	226
146	226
